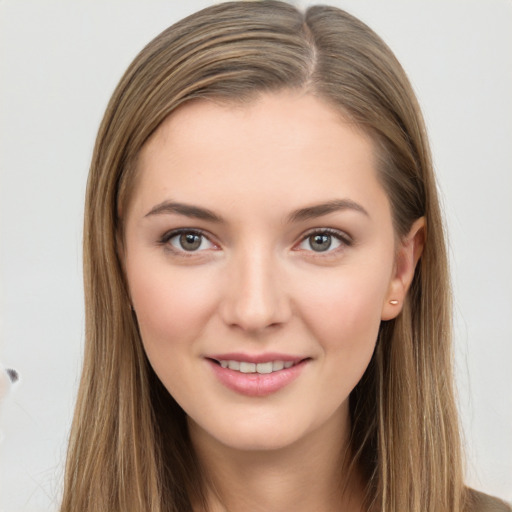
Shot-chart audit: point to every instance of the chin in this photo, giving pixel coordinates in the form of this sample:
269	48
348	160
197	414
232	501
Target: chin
248	435
270	431
262	441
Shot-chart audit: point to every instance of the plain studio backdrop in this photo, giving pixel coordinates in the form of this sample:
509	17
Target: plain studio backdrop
59	63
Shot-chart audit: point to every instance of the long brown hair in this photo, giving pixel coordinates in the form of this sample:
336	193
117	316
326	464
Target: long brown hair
405	434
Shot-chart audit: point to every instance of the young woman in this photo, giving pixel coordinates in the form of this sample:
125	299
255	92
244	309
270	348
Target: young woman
268	307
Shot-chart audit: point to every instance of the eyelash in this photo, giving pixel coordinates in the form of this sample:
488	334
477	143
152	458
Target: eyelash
167	237
344	240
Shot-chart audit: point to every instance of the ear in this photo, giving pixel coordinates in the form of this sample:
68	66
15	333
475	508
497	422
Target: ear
408	254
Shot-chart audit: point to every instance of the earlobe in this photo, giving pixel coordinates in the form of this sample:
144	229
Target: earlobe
407	257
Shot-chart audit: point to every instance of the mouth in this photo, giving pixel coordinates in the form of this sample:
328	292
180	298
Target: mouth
260	368
257	376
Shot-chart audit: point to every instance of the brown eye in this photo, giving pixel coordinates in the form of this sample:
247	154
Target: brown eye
188	241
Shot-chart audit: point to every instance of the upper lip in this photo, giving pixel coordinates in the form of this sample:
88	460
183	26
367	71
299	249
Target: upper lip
256	358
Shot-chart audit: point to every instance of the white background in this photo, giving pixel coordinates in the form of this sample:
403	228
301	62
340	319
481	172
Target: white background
59	63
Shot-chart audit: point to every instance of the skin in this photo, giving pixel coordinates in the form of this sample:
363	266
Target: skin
256	285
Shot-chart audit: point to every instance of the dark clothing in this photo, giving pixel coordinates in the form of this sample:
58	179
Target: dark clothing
480	502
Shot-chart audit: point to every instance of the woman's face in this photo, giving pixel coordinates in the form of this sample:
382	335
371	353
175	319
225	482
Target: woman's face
261	258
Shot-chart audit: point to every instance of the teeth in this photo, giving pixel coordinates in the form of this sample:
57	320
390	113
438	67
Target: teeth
233	365
277	365
246	367
264	367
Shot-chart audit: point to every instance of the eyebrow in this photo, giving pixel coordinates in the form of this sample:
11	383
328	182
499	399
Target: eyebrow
302	214
312	212
187	210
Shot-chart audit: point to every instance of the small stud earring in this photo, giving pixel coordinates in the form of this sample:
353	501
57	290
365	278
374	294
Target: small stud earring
394	302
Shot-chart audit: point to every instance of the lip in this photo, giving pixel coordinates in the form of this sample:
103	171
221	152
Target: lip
256	384
256	358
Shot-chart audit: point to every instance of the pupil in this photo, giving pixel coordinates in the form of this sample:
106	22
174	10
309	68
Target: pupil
190	241
320	242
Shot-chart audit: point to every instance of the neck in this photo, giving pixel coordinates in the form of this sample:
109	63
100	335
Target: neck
310	474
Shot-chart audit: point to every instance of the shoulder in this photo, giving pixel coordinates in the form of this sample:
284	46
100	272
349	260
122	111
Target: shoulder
480	502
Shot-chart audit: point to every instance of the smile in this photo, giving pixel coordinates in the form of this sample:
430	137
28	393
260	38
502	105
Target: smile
262	368
261	376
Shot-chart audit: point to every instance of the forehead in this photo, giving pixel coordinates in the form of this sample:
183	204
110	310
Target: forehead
289	144
290	117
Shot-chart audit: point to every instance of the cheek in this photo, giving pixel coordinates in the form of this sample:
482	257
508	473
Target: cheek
344	310
172	305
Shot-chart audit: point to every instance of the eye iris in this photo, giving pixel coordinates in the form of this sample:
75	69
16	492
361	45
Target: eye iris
320	242
190	241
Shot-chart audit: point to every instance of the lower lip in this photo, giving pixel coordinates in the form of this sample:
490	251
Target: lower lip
257	384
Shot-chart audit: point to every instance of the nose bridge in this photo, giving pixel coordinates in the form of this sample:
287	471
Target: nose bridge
254	297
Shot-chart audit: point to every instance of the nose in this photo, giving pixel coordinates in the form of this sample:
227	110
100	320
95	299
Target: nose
254	298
